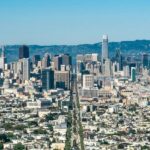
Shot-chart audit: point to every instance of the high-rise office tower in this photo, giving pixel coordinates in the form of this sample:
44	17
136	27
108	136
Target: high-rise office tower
57	59
107	68
66	60
80	57
94	57
126	71
62	79
145	60
80	67
88	81
14	68
121	63
26	69
132	64
46	61
23	52
19	69
119	59
2	58
115	67
104	48
35	59
133	74
47	79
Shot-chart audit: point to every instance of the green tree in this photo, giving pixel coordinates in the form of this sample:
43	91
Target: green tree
10	135
8	126
132	131
1	146
19	127
69	120
4	138
145	147
40	131
68	139
50	127
68	133
120	146
32	123
51	117
19	146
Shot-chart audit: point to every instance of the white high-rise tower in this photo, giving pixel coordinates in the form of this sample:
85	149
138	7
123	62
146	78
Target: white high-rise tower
104	48
2	58
26	69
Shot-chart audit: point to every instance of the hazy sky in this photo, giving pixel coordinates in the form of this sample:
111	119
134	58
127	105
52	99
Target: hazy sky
73	21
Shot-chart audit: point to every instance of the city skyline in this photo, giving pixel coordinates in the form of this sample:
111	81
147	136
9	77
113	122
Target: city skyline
72	22
62	100
60	92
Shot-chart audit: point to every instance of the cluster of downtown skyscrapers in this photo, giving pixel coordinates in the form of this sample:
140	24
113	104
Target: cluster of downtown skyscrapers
55	71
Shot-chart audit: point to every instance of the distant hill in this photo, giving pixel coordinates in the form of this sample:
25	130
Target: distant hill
126	47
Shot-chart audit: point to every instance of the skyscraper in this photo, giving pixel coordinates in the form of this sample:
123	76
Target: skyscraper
47	79
119	59
88	81
107	68
126	71
115	67
132	64
145	60
35	59
2	58
133	74
57	62
66	60
26	69
104	48
46	61
62	79
80	67
23	52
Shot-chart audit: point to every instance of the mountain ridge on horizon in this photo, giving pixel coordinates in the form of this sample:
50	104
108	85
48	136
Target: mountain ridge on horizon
77	44
126	47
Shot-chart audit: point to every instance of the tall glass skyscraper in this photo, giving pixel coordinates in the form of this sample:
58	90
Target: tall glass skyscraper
133	74
47	79
119	59
23	52
104	48
145	60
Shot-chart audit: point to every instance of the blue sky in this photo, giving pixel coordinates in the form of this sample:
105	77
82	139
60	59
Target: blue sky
73	21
